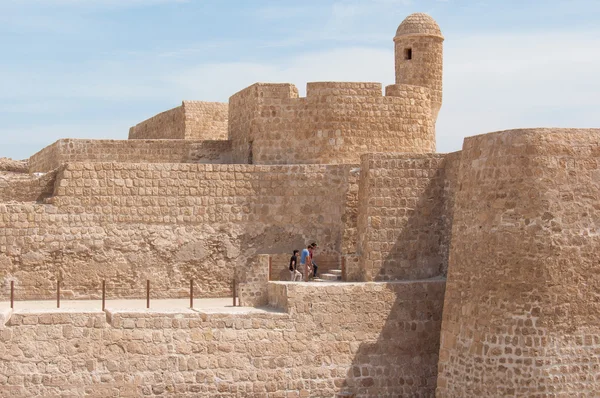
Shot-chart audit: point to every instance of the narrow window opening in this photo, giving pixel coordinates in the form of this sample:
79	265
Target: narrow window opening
408	53
250	154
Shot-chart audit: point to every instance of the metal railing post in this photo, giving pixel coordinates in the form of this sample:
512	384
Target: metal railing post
234	294
103	295
12	295
191	293
58	293
148	293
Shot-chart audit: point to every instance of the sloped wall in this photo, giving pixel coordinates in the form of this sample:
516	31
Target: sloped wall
521	315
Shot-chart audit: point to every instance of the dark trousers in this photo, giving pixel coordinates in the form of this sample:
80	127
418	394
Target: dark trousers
315	268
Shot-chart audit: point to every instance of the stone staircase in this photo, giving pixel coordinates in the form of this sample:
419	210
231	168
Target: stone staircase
333	275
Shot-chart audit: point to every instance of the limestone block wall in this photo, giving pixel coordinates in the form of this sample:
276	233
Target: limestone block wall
166	125
47	159
205	120
23	187
253	279
334	123
521	315
130	151
303	351
424	69
125	223
405	213
193	120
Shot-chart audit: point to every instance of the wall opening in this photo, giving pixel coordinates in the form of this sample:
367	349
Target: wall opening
408	53
250	154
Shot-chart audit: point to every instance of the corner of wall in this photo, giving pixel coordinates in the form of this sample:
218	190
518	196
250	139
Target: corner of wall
252	281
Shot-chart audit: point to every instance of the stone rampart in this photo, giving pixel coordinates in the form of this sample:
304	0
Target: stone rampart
21	187
319	346
125	223
405	216
166	125
521	315
334	123
193	120
130	151
205	120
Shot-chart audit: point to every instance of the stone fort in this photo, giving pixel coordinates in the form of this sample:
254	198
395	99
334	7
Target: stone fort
469	274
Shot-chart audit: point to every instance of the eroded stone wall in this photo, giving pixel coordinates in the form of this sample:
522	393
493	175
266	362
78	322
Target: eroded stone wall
130	151
335	123
319	346
521	315
125	223
405	213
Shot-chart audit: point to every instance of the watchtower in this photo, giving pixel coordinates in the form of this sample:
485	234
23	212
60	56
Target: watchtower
419	56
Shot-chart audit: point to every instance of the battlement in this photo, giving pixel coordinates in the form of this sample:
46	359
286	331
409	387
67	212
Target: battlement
335	123
326	89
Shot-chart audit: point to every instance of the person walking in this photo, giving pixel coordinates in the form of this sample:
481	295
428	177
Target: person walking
295	275
315	267
305	262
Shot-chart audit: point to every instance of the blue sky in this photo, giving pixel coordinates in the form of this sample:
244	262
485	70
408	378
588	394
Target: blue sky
93	68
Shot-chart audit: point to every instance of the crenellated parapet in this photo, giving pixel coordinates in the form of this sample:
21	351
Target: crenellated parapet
335	123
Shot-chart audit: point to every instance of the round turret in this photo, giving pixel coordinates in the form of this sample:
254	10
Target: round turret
419	56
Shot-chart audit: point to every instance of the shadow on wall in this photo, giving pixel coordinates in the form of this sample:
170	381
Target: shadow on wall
402	360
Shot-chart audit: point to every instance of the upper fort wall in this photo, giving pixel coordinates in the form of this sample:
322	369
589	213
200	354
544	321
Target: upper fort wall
334	123
193	120
130	151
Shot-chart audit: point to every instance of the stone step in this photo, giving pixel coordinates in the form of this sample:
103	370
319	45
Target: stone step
330	277
335	272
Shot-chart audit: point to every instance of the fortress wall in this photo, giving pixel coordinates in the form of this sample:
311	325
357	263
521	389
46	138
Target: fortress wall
452	162
166	125
350	217
245	110
338	89
521	315
403	217
130	151
306	352
125	223
335	123
26	188
205	120
49	158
